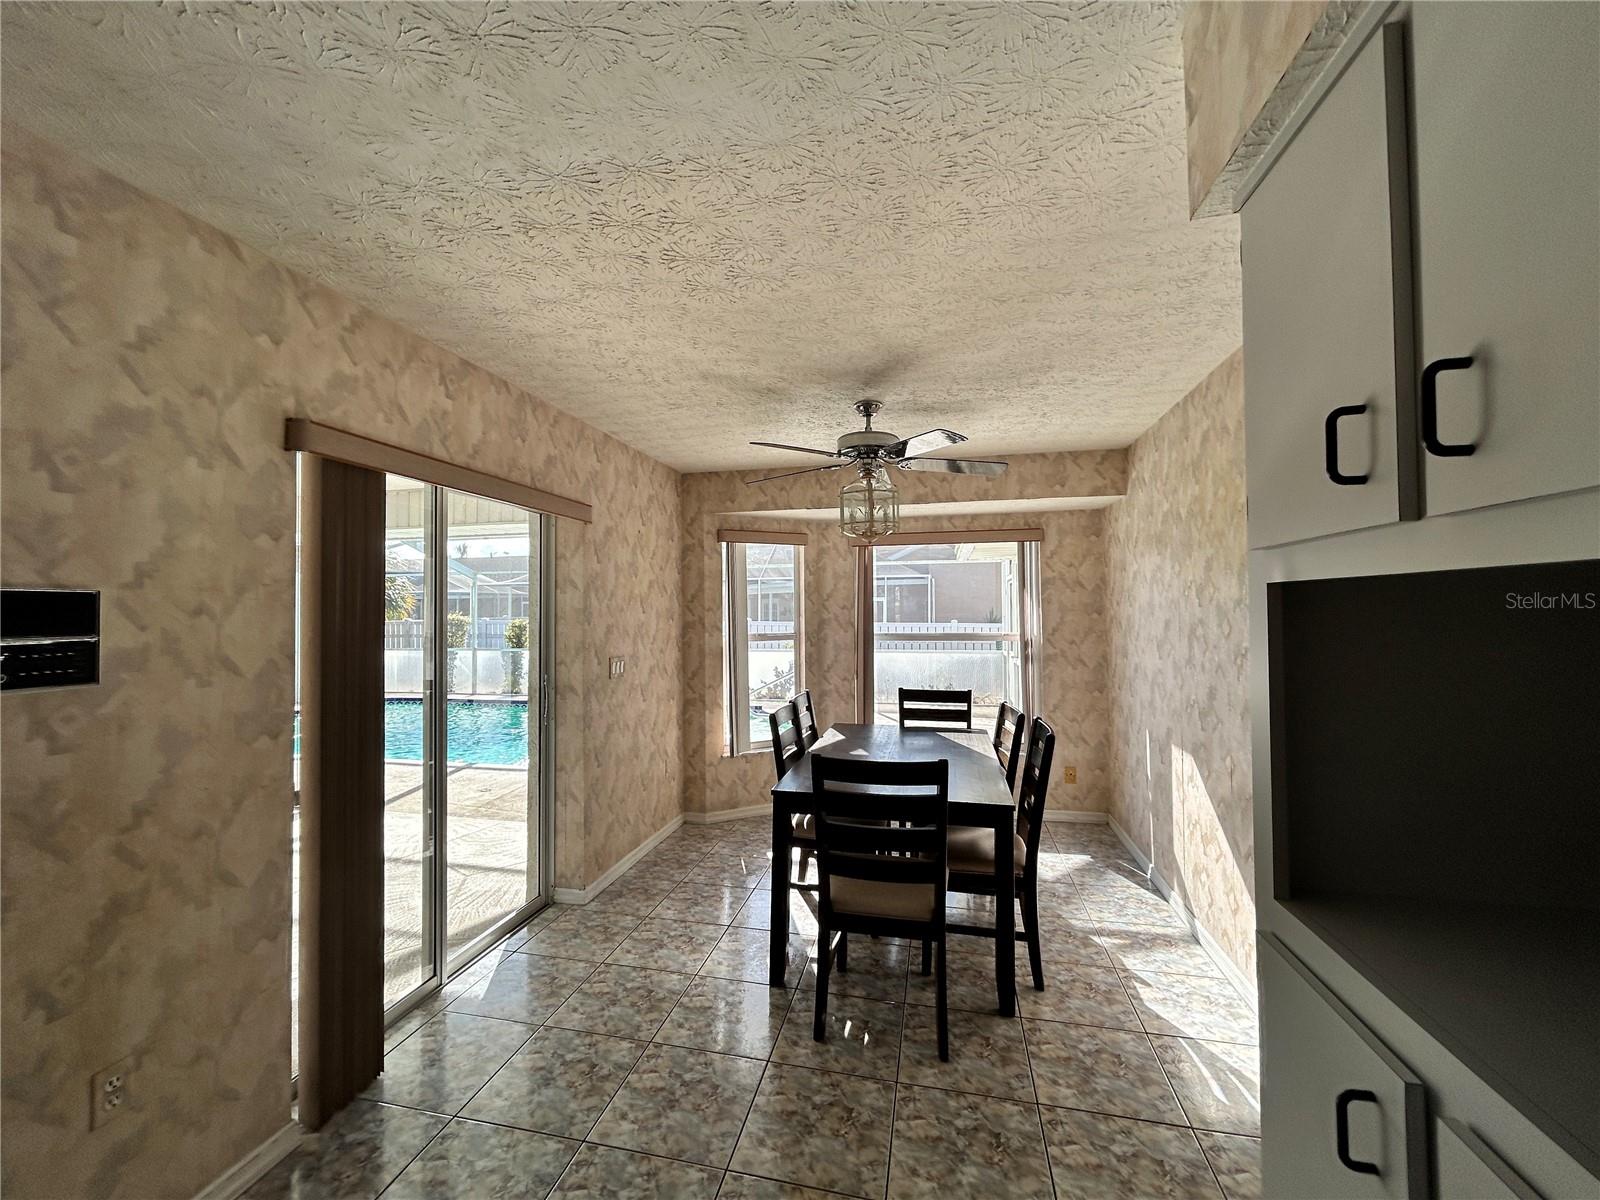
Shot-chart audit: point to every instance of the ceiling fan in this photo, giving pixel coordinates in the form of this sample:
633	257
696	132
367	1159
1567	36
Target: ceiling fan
872	449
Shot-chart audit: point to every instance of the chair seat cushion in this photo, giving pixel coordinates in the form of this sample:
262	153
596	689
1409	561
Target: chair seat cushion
803	828
874	898
972	851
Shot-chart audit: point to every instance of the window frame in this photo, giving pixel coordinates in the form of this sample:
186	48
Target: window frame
1029	604
736	738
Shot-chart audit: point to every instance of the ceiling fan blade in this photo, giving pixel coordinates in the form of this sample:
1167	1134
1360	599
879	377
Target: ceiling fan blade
797	449
934	439
786	474
954	466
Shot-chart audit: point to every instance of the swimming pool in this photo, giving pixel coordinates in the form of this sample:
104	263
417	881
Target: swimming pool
487	732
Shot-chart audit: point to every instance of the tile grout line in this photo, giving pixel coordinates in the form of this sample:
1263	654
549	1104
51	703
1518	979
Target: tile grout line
900	1055
650	1042
584	1141
1038	1110
1096	924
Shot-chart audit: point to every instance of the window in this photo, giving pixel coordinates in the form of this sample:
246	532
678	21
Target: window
958	613
762	640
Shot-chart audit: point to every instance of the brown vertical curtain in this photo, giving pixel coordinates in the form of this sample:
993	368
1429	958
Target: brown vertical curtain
341	785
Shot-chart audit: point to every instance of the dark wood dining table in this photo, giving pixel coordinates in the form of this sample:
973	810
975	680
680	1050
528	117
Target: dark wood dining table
978	797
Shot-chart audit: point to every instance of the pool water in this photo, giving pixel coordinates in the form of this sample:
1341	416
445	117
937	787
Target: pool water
486	732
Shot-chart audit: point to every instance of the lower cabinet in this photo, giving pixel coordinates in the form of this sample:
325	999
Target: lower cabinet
1341	1116
1469	1169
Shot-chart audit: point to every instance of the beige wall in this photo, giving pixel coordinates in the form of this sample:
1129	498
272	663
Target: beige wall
149	363
1073	670
1179	641
1234	55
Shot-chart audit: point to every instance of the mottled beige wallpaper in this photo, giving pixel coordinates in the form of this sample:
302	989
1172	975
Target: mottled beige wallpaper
1179	645
1073	670
1233	56
149	362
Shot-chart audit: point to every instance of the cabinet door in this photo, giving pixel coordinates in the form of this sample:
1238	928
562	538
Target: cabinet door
1470	1170
1506	100
1341	1117
1327	316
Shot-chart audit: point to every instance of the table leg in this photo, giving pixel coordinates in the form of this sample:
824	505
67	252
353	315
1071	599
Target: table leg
780	895
1005	937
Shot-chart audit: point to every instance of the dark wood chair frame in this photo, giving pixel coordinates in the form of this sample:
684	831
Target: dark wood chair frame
1008	727
933	708
906	842
807	718
787	749
1030	823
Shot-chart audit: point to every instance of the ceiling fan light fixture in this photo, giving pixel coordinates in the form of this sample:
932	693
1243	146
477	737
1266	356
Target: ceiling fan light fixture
869	506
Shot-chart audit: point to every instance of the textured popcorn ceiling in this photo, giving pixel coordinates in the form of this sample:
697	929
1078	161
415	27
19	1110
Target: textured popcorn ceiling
696	224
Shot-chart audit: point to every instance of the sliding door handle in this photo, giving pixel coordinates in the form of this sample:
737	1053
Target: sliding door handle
1330	444
1430	409
1341	1121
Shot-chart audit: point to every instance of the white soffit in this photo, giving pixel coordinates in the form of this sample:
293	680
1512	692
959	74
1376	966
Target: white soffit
693	225
941	508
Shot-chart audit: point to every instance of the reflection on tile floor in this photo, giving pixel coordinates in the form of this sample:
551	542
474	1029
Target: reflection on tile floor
631	1047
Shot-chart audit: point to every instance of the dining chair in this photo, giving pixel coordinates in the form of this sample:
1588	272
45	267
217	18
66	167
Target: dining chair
808	719
884	878
935	708
1008	725
972	850
786	751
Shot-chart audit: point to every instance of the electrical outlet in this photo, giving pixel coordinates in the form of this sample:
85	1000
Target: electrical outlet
1069	774
109	1092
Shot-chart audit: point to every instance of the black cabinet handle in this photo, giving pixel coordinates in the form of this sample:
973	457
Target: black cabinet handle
1341	1121
1330	444
1430	409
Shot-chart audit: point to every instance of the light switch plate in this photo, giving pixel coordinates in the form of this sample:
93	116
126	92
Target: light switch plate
1070	774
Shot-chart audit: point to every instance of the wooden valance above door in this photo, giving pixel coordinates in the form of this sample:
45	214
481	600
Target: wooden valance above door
310	437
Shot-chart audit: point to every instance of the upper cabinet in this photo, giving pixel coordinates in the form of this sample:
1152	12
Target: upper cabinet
1327	316
1506	121
1422	277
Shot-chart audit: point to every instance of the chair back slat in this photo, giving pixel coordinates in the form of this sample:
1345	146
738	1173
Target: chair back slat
938	707
1035	787
911	797
786	747
1008	725
807	719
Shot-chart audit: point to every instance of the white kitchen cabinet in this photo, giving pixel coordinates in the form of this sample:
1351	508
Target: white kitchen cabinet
1327	316
1506	150
1340	1115
1469	1169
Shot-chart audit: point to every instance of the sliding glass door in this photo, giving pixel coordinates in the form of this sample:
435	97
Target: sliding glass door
464	717
953	615
490	777
467	656
408	885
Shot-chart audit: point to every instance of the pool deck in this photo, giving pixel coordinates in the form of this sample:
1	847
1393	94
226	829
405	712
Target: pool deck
487	844
488	856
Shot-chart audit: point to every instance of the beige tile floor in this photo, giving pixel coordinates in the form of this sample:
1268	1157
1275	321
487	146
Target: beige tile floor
632	1048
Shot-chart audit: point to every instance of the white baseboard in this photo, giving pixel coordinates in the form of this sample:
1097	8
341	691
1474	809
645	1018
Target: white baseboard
727	814
1244	986
1077	816
584	895
237	1179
